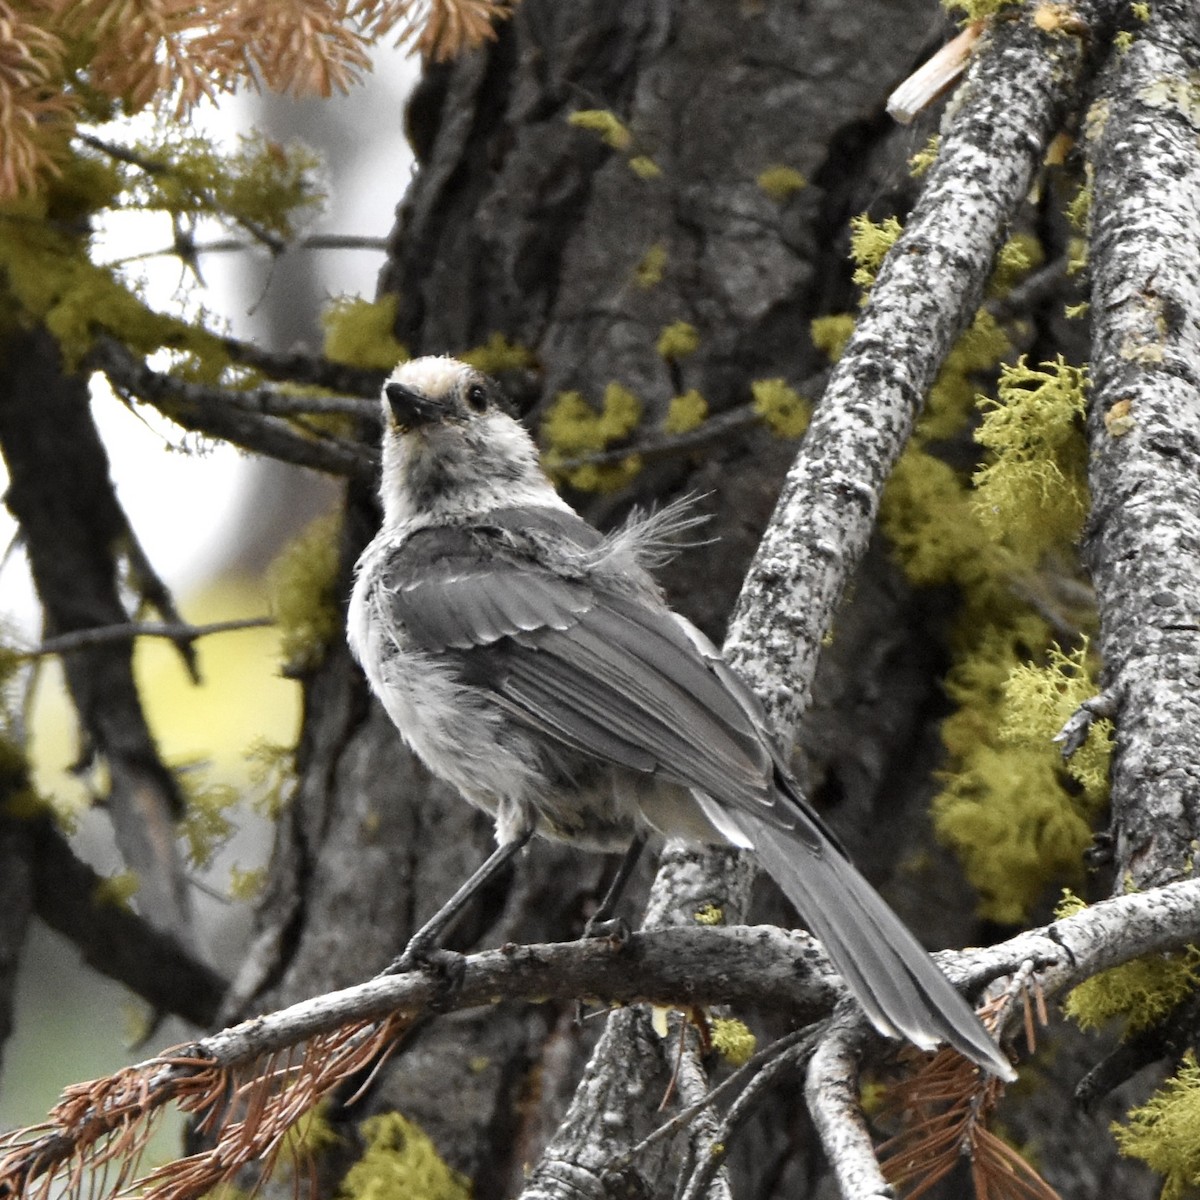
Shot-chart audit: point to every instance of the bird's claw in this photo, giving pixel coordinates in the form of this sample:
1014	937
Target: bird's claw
616	929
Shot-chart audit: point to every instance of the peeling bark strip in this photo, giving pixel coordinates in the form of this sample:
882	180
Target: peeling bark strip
1143	542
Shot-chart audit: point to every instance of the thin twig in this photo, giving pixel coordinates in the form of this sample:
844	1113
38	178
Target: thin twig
785	1054
681	1119
102	635
319	241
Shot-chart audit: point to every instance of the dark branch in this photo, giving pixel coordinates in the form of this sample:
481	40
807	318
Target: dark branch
243	418
116	941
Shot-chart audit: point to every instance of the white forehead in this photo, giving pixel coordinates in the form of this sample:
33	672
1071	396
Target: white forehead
431	376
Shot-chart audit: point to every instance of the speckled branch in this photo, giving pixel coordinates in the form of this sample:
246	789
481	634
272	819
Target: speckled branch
831	1089
926	293
1143	543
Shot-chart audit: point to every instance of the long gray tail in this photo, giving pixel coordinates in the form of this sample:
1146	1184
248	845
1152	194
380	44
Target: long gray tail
899	986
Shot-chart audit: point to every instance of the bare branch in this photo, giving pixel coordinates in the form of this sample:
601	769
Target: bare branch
300	367
678	967
99	635
75	530
114	940
318	241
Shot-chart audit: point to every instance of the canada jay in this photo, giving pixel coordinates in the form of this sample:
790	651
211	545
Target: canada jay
532	663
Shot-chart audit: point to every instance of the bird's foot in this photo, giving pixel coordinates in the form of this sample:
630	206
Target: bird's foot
446	966
616	929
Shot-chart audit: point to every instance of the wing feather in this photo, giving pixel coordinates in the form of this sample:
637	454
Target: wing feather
605	672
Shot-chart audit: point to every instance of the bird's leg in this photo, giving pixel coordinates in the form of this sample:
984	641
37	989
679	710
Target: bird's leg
601	923
422	943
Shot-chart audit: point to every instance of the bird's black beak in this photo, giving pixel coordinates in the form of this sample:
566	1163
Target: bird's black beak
411	409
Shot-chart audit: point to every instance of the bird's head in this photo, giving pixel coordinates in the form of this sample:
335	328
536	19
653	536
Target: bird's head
452	448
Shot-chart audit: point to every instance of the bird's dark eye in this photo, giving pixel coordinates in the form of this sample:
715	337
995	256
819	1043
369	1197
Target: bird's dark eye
477	397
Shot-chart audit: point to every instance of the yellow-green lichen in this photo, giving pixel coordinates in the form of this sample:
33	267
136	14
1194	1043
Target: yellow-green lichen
246	885
1032	494
206	824
400	1162
498	355
977	10
831	333
928	520
951	402
1123	41
573	428
781	182
678	340
262	184
685	413
311	1134
644	167
1080	207
783	409
272	768
612	131
650	268
710	914
920	162
1140	10
869	243
18	798
1142	992
1164	1133
302	581
116	891
1014	818
1003	807
1018	256
361	333
1039	700
732	1040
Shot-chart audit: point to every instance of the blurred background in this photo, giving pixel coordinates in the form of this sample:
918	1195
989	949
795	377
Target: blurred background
212	521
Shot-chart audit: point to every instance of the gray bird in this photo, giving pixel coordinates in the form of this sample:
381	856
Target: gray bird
532	663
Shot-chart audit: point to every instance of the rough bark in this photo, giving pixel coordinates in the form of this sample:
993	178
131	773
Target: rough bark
1143	544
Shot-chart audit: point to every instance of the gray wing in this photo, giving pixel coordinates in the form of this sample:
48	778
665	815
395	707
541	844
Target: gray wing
608	674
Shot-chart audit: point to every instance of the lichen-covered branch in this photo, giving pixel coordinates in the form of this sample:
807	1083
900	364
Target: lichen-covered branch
1143	539
927	291
831	1090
